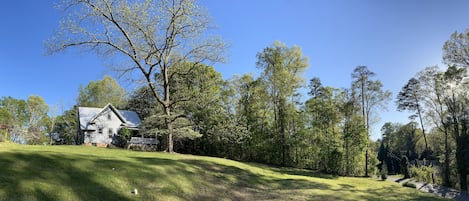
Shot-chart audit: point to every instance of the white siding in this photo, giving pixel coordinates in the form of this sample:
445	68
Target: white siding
102	122
93	120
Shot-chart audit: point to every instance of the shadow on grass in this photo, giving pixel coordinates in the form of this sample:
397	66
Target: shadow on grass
304	172
39	177
56	176
215	181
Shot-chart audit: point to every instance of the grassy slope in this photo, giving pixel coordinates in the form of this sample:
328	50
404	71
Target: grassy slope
90	173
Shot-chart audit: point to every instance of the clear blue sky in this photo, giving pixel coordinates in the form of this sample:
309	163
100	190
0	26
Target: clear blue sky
394	38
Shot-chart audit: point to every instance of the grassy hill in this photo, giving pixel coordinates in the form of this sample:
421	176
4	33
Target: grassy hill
90	173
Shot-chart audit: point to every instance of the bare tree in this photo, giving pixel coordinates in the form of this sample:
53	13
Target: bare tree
152	35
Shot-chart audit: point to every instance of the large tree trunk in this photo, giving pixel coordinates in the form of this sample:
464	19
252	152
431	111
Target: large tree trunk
365	119
423	129
282	129
447	171
169	125
462	155
461	162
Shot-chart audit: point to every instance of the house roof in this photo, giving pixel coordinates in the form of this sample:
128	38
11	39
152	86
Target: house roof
87	115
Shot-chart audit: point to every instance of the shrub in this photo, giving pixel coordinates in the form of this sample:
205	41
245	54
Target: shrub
384	176
335	162
384	171
405	167
423	173
2	137
123	135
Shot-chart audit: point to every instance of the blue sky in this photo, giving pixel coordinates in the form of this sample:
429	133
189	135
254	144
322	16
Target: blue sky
394	38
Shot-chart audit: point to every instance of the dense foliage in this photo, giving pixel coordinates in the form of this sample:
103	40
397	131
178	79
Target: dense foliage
24	121
101	93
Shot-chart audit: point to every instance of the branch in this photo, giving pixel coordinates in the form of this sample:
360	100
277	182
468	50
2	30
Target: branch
181	100
179	116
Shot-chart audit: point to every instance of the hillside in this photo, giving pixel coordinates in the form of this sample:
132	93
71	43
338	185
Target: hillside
90	173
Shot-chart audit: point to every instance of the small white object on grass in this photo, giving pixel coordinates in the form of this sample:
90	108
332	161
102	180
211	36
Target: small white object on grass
135	191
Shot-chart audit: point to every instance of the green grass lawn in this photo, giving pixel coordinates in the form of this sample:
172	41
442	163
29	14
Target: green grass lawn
90	173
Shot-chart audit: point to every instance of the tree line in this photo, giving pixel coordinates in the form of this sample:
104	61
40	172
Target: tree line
168	45
168	48
262	119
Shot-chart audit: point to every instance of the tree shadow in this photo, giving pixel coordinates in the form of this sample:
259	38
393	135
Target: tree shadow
215	181
37	171
36	176
305	172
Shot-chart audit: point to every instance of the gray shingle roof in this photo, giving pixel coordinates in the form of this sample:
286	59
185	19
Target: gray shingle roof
88	114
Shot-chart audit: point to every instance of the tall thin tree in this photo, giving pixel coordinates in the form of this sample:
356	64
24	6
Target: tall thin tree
371	95
410	98
282	67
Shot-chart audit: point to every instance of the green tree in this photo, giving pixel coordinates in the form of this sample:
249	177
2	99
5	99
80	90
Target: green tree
142	102
372	97
26	121
282	67
324	117
456	101
405	167
456	49
198	89
251	111
50	124
382	153
388	131
15	117
354	135
6	122
66	127
102	92
433	86
153	36
409	138
410	98
38	119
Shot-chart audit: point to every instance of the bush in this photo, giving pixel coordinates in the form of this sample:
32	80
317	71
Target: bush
409	184
335	162
384	171
2	137
123	135
423	173
384	176
405	167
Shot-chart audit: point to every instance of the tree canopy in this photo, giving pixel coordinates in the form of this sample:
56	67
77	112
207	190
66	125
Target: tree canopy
102	92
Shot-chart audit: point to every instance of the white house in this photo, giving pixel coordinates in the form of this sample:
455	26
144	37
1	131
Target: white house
99	126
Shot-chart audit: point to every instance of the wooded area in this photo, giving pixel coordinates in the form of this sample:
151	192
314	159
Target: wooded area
190	108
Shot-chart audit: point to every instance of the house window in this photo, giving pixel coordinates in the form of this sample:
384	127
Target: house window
110	132
100	130
109	117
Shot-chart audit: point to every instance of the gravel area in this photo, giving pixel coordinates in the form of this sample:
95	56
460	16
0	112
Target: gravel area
435	189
